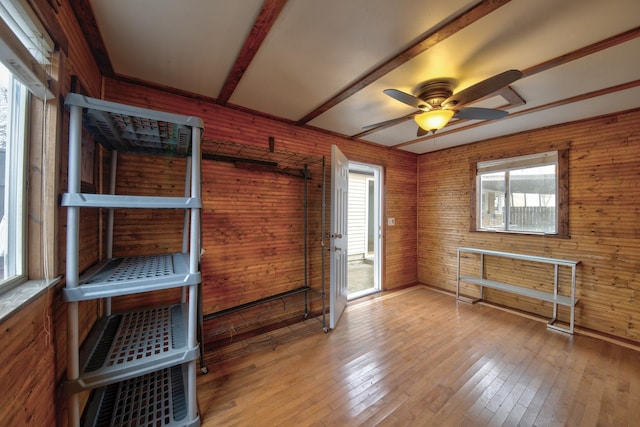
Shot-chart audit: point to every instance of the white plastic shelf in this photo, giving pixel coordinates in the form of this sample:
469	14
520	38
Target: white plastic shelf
87	200
123	276
140	365
156	399
127	345
135	130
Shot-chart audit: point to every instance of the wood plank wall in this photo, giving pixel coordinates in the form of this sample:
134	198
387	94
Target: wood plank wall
33	340
604	220
254	234
27	377
252	220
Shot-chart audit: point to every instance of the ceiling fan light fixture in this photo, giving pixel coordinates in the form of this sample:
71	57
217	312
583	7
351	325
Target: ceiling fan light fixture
433	120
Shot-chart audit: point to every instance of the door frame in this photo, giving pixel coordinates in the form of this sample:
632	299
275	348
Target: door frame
378	179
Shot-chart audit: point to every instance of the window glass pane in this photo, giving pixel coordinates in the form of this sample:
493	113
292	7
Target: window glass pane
533	199
492	189
12	169
519	194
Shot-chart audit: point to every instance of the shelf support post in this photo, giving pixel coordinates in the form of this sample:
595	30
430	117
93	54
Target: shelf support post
72	269
194	267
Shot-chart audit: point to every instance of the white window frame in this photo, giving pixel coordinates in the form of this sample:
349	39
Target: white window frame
15	197
507	165
26	50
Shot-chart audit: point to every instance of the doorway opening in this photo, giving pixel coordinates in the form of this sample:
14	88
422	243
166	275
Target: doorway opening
364	229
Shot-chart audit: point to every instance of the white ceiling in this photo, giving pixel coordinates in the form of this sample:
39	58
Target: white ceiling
317	50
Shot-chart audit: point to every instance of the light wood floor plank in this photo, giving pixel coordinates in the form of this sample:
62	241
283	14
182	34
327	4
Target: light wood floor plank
416	357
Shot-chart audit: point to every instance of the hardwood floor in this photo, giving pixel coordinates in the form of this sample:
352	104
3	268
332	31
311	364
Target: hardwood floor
415	357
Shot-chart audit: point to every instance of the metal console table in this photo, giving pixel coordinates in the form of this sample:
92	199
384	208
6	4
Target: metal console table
554	297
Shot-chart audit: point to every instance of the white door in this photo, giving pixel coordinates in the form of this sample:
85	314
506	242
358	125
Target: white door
338	289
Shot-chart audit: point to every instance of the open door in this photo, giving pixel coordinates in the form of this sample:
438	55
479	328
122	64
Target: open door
338	288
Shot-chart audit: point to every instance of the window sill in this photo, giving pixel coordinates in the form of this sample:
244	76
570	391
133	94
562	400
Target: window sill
20	295
520	233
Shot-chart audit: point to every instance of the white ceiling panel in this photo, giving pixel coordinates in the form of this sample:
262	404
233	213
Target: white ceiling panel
603	69
597	71
567	113
189	45
320	47
395	135
314	51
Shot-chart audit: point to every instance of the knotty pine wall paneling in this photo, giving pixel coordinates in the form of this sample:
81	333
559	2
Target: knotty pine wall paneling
148	231
27	371
80	62
253	235
252	224
251	214
604	221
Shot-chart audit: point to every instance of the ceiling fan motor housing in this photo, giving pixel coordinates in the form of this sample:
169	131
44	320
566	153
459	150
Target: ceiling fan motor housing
435	92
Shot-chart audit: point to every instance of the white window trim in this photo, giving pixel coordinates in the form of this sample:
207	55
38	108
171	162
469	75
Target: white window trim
520	162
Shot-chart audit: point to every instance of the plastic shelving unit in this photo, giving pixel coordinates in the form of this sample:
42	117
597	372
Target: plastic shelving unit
140	365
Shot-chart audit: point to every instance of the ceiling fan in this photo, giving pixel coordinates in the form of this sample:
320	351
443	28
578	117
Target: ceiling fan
437	104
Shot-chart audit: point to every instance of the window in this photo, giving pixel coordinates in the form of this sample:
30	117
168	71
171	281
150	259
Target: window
13	103
520	194
25	70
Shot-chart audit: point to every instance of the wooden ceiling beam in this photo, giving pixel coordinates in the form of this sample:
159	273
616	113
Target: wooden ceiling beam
87	21
559	103
261	27
426	41
515	99
582	52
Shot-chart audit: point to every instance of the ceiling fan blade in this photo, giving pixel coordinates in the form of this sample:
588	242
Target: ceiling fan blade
392	122
473	113
482	89
421	132
405	98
